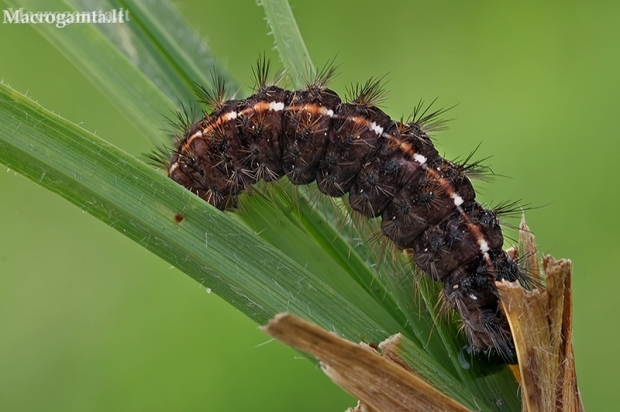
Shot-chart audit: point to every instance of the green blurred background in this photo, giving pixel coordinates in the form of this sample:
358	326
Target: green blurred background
91	321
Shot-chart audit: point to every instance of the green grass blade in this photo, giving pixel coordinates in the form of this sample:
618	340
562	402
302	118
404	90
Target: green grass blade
89	49
288	41
145	67
407	352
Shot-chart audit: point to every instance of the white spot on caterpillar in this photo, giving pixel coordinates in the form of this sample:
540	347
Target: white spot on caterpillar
473	297
173	167
376	128
276	106
230	116
326	112
197	134
458	200
419	158
484	246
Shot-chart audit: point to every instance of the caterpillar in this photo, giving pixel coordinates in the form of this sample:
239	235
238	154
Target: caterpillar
389	169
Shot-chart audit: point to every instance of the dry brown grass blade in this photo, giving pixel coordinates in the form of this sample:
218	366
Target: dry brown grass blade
380	384
541	325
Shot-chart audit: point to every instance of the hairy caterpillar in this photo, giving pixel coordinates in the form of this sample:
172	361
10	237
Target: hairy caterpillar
389	169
